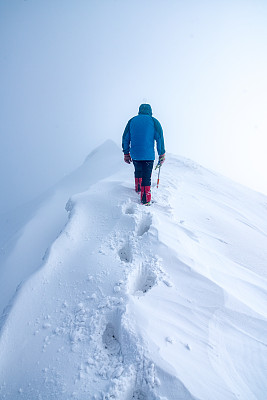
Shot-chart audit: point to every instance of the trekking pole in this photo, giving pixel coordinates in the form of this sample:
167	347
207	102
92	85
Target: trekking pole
158	177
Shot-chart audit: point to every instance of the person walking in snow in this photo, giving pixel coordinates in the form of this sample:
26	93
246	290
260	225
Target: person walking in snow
138	143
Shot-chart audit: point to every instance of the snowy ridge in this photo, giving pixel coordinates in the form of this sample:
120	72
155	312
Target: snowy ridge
44	218
148	303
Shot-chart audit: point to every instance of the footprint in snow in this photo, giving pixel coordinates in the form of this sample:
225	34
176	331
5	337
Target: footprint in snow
129	209
142	280
125	253
110	340
144	225
149	282
139	395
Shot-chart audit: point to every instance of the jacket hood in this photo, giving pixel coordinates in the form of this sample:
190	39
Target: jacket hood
145	109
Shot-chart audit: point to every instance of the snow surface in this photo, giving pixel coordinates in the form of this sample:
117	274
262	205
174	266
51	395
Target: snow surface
115	300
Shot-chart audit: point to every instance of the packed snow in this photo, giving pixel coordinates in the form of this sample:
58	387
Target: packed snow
104	298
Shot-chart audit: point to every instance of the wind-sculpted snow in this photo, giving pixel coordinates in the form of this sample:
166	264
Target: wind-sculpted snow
24	242
166	302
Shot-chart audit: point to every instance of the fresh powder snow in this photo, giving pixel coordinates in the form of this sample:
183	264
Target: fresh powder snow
104	298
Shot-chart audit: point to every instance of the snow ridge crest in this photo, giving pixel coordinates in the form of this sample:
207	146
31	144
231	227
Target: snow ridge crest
137	302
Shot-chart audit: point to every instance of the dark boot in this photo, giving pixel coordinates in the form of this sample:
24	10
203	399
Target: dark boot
138	182
145	195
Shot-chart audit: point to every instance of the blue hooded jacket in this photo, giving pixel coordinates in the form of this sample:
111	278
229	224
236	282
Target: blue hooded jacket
140	135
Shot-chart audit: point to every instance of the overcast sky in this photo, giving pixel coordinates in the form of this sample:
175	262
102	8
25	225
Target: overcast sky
72	72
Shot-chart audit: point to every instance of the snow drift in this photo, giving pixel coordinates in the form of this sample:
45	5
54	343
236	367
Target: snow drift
121	301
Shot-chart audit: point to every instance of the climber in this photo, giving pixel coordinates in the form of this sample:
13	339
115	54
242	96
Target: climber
138	142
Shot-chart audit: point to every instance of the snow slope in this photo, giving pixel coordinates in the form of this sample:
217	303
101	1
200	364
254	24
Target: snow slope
135	302
44	218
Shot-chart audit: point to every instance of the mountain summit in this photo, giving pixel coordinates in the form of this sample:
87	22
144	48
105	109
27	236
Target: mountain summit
109	299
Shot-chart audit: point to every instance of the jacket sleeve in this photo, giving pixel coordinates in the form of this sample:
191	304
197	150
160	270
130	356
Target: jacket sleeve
126	139
159	137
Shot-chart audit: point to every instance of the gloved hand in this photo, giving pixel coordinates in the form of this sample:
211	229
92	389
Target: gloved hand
127	158
161	160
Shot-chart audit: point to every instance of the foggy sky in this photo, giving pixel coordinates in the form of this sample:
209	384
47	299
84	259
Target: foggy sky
74	71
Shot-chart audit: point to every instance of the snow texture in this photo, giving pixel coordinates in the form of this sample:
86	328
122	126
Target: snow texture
121	301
